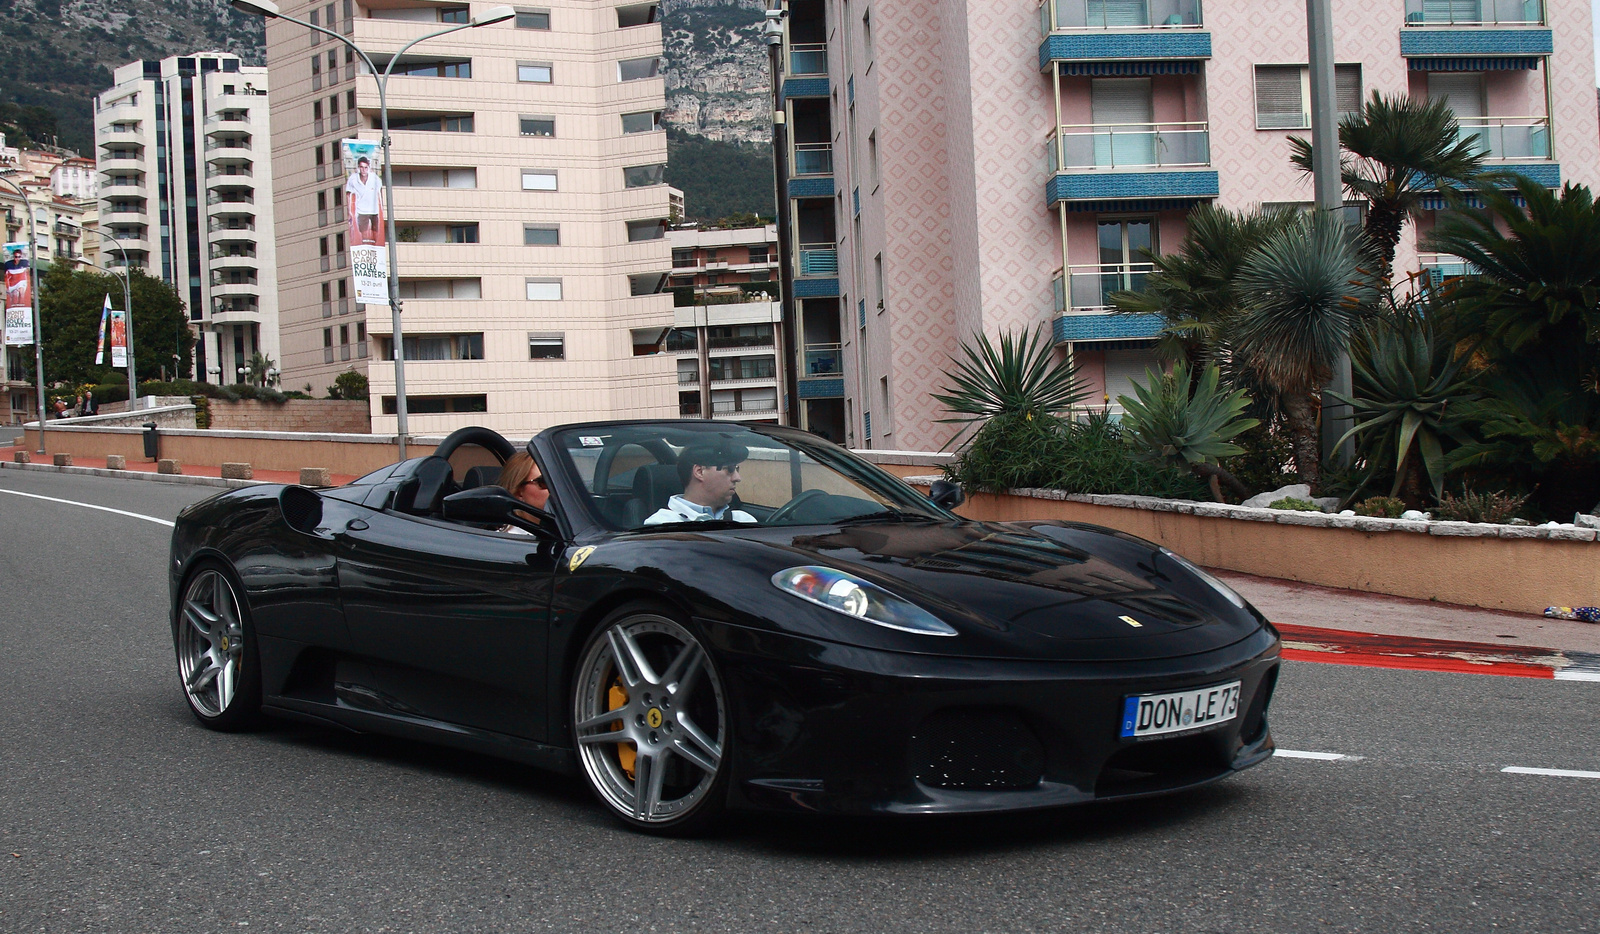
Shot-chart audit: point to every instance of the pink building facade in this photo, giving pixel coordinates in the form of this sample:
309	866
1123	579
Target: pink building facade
996	165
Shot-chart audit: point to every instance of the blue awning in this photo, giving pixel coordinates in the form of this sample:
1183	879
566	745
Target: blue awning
1519	63
1129	69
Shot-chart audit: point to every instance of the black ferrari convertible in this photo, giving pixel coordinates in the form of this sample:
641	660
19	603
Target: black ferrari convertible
712	615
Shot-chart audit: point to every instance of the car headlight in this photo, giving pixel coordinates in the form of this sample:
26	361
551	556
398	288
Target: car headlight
852	596
1226	591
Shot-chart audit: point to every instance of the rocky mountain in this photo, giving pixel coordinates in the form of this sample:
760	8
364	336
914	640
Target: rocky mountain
717	81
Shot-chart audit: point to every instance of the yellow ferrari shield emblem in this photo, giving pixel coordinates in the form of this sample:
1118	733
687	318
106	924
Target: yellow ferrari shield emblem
1131	622
653	717
579	556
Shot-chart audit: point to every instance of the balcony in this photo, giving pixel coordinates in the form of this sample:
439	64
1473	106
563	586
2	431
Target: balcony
734	294
121	189
232	229
1507	138
809	59
236	288
228	149
67	231
1441	266
1478	13
1100	162
688	377
227	261
117	216
720	407
120	159
129	244
823	360
818	259
813	158
1122	30
1083	310
689	409
1073	15
242	172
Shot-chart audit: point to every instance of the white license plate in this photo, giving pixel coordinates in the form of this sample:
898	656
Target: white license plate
1196	709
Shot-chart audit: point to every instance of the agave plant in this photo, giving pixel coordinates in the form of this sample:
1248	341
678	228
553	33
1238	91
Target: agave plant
1019	378
1188	429
1409	401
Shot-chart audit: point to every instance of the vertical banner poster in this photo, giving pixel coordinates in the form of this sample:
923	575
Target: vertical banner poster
363	206
19	295
100	345
119	338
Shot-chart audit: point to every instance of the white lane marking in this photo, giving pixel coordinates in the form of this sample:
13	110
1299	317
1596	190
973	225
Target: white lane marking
1576	674
1558	773
69	502
1320	756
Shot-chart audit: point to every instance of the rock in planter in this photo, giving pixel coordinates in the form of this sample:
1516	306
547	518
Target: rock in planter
169	466
1584	520
1327	503
116	462
234	470
1292	491
20	457
315	476
61	460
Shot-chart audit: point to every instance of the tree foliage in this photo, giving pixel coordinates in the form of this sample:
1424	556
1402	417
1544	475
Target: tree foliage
70	301
720	179
1019	378
1188	423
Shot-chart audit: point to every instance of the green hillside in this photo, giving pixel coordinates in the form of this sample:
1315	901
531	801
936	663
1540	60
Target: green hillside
720	179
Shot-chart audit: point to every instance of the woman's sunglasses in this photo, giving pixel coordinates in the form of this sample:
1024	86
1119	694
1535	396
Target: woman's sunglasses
536	481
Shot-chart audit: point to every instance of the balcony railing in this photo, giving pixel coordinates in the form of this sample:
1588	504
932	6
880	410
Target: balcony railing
819	259
808	59
1441	266
689	378
1474	12
1086	287
823	360
1075	15
813	158
1507	137
689	408
724	406
684	296
1128	146
212	144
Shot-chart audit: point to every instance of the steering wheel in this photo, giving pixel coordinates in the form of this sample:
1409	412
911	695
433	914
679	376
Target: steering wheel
486	438
788	509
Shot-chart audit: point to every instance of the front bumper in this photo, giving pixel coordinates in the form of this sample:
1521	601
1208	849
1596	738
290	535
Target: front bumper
828	728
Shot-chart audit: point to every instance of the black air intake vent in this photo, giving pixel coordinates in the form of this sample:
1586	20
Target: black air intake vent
302	509
978	750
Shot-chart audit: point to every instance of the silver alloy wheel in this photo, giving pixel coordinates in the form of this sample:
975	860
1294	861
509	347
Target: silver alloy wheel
673	717
210	643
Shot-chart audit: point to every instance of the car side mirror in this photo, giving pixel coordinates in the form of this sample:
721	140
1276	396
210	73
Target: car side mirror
495	504
946	493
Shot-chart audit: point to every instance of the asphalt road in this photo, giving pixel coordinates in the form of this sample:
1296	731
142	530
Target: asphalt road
119	814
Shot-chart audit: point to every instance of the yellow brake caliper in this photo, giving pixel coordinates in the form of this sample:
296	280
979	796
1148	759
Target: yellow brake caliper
616	699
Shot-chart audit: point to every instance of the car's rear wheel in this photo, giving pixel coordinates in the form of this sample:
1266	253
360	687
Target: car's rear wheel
217	658
650	722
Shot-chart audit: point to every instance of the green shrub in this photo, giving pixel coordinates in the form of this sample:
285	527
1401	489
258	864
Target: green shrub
1012	451
351	384
1380	507
1479	507
1290	502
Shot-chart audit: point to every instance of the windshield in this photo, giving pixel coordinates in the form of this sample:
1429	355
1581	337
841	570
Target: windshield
647	476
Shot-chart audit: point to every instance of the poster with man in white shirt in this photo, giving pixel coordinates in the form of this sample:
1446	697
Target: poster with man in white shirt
363	195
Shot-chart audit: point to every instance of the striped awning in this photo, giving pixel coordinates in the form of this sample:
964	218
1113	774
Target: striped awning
1518	63
1438	203
1128	69
1136	204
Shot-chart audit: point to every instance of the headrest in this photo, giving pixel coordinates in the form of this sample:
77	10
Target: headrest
435	480
481	475
654	484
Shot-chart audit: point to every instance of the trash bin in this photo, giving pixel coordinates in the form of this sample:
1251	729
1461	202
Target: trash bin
151	441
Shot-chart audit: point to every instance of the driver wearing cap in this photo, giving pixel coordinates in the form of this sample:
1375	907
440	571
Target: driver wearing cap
710	474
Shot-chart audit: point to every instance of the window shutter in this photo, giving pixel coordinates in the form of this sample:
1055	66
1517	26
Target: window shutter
1347	89
1279	104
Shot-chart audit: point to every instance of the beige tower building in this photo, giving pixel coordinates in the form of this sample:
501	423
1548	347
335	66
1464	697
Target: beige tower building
530	207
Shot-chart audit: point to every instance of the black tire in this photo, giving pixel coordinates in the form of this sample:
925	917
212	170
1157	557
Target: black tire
219	664
670	775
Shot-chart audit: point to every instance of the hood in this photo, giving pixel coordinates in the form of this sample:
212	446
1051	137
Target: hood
1041	591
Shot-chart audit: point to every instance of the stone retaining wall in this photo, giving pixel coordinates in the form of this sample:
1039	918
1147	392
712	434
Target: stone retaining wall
294	415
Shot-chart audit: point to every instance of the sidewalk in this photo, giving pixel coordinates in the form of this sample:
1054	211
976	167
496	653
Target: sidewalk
1307	605
147	467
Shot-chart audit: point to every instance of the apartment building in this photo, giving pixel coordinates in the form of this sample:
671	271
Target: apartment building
530	205
183	150
727	322
985	166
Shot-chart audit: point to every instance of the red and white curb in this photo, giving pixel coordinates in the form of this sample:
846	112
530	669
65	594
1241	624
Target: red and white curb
1375	650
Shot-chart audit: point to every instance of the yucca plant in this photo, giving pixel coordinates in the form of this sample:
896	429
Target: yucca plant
1188	424
1409	403
1020	378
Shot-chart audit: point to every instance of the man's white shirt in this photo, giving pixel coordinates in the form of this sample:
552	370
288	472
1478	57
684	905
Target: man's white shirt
679	509
366	194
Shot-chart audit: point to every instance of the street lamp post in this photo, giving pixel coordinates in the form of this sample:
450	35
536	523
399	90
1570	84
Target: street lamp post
127	308
38	327
772	34
498	14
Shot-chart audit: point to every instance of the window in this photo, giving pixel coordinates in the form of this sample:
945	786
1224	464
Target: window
450	69
538	180
461	233
547	347
538	126
533	19
316	152
642	176
681	339
645	121
1283	95
344	333
436	347
683	258
541	234
877	269
430	123
435	178
441	288
646	283
544	290
316	112
322	201
724	368
636	14
739	335
333	106
454	15
537	72
866	33
327	292
322	246
872	156
646	230
438	405
327	337
636	69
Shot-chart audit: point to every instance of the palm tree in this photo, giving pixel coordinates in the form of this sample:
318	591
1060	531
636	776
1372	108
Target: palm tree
1395	151
1194	289
1020	378
1302	303
1189	423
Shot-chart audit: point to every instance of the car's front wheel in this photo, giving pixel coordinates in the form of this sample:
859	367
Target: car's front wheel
650	722
217	659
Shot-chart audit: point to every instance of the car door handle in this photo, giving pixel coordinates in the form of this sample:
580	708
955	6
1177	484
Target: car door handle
356	525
